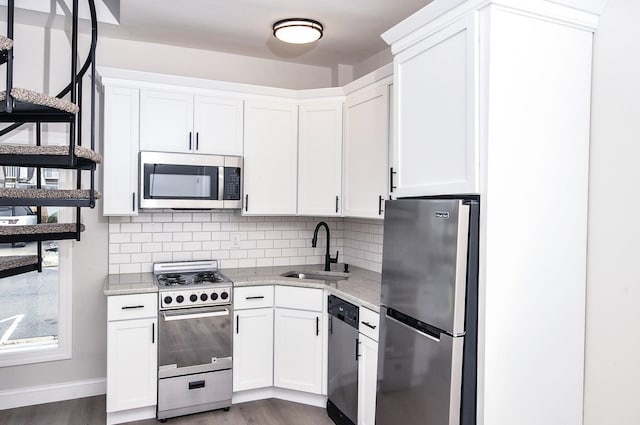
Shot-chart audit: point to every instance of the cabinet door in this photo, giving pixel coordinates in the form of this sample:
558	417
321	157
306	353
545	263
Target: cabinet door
253	349
436	136
121	120
367	377
320	159
270	158
166	121
366	153
298	359
218	125
132	364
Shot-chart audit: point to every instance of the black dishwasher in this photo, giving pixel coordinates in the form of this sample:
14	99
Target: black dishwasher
342	403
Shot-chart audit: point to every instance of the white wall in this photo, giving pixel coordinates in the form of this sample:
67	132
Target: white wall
613	276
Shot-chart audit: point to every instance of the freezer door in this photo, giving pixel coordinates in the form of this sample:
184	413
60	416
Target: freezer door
424	260
419	376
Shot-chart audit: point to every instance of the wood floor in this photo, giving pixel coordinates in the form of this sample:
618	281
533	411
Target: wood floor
91	411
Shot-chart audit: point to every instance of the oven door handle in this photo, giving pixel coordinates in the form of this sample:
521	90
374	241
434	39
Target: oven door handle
168	317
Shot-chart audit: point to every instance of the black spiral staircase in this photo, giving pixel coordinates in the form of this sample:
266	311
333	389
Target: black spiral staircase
20	106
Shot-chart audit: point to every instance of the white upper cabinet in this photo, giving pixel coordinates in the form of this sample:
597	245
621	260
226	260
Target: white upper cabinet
320	159
436	139
121	108
270	158
166	121
179	122
218	125
366	153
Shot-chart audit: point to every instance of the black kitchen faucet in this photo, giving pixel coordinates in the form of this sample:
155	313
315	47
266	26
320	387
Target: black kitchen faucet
327	257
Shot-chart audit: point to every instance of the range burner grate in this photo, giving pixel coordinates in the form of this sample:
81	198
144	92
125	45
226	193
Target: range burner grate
207	277
171	279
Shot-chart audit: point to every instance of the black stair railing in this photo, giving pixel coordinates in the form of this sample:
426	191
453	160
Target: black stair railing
75	90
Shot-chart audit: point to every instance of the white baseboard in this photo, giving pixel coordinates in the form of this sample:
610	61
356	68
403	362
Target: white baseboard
29	396
282	394
131	415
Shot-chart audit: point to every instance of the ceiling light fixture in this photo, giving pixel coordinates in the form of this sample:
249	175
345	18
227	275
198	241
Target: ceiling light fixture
297	30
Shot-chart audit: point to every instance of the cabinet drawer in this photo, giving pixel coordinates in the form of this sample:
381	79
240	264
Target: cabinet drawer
369	323
299	298
253	297
135	306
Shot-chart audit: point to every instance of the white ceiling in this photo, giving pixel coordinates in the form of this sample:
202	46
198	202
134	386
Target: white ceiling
352	27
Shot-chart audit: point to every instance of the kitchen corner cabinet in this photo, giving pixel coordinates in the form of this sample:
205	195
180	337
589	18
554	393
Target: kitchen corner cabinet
120	149
299	339
320	159
181	122
436	137
366	153
132	354
270	158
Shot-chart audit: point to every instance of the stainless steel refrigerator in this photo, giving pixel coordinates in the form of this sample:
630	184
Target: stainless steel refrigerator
428	313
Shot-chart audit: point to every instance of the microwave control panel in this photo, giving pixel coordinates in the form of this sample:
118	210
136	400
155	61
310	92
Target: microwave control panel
232	184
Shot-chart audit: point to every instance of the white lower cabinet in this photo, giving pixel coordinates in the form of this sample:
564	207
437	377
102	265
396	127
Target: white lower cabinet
367	376
132	355
298	350
253	349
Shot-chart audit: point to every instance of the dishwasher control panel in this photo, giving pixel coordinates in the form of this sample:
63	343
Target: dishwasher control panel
343	310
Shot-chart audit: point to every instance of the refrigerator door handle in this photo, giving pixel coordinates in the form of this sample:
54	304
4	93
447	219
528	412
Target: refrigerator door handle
431	337
462	252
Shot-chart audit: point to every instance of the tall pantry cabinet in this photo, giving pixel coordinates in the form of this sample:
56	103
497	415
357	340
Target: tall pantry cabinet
492	98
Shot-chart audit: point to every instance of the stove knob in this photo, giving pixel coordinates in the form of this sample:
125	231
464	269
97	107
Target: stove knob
203	297
179	298
193	298
224	295
167	300
214	296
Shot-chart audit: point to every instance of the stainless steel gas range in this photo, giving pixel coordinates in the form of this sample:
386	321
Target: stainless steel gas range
195	338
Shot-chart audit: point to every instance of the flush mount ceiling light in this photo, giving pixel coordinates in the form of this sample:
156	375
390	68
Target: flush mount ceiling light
297	30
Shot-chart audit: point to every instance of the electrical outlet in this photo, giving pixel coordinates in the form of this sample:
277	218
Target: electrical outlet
235	240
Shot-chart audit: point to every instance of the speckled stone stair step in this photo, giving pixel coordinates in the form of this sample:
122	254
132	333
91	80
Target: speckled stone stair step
5	43
39	232
49	157
30	96
17	264
46	197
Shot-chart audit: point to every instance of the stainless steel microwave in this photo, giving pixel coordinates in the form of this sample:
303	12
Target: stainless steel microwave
190	181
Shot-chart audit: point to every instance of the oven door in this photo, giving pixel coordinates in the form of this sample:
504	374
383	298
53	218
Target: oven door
194	340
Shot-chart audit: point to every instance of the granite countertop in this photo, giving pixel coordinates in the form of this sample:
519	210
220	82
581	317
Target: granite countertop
131	283
362	287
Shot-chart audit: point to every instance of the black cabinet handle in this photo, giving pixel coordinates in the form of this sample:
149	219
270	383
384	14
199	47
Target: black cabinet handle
197	140
153	333
336	204
131	307
258	297
368	325
133	201
237	324
391	186
380	205
317	326
246	202
357	351
190	136
194	385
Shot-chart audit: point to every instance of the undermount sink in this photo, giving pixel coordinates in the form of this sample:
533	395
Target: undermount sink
316	274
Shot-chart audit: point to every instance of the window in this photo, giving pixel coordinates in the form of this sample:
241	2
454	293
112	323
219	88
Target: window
35	308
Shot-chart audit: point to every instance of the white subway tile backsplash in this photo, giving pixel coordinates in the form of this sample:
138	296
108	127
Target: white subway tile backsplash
135	243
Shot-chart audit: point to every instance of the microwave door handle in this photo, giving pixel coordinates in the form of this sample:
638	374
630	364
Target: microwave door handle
168	317
221	183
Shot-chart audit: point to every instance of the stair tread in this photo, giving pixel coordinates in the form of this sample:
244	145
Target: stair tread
19	193
80	151
39	229
41	99
5	43
15	261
